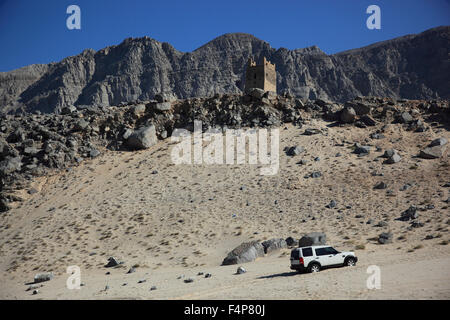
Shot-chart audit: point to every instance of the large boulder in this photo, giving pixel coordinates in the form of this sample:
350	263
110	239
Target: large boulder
163	106
274	244
142	138
348	115
10	165
257	93
246	252
432	152
312	239
165	97
361	108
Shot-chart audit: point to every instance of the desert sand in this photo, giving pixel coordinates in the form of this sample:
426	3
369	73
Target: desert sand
171	221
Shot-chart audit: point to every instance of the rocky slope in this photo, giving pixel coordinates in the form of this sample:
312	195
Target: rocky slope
413	67
33	145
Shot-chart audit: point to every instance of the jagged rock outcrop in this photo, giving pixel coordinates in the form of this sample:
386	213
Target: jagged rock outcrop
413	67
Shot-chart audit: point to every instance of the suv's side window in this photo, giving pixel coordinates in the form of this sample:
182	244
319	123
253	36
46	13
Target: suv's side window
307	252
321	252
331	250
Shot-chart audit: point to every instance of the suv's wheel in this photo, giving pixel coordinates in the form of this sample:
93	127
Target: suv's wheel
314	267
350	262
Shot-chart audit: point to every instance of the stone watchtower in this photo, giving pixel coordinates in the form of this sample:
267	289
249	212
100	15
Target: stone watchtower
261	76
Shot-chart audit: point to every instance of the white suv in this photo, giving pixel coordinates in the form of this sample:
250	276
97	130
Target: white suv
314	258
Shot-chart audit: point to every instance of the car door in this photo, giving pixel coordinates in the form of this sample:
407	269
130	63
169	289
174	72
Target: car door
322	256
334	257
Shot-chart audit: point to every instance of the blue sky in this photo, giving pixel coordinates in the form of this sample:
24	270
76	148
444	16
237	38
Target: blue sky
35	31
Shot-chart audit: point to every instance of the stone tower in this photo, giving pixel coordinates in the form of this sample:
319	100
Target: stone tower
261	76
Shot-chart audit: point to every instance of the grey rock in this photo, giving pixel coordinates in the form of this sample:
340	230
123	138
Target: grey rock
291	241
409	214
139	109
42	277
295	151
274	245
359	149
10	165
348	115
315	174
332	204
165	97
438	142
381	224
257	93
163	106
81	125
68	110
94	153
405	117
112	262
385	238
312	239
369	121
142	138
432	152
380	185
311	131
393	159
246	252
241	270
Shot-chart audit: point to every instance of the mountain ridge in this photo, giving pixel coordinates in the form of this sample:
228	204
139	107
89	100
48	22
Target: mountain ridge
412	66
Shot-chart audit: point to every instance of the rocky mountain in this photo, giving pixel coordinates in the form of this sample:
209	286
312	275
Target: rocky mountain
413	67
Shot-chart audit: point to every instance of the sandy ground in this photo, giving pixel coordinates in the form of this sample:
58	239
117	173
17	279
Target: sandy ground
184	219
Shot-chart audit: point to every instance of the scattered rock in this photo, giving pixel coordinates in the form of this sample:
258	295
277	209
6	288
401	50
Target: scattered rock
385	237
332	204
42	277
438	142
112	262
432	152
380	185
409	214
311	131
240	270
295	151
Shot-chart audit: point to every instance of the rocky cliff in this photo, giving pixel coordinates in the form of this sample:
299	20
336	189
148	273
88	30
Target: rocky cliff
413	66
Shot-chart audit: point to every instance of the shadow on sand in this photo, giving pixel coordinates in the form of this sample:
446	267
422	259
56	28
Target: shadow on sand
284	274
